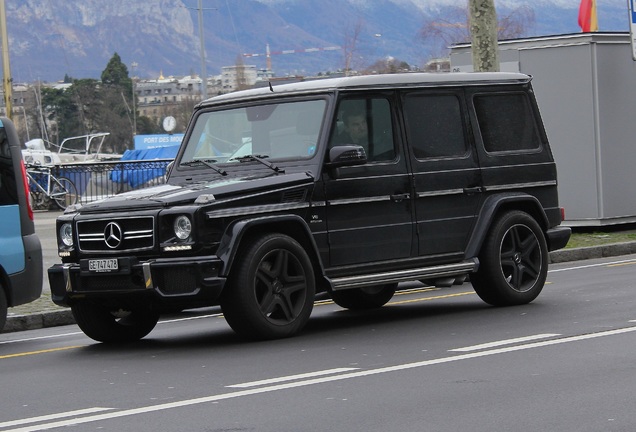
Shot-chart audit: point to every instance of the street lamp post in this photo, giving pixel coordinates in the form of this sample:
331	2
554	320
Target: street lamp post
133	65
26	123
204	73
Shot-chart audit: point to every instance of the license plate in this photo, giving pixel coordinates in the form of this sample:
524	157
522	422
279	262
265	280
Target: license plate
103	265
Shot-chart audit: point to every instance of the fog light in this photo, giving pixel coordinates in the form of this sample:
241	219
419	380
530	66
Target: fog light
177	248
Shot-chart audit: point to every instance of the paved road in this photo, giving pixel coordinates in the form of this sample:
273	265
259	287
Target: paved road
434	360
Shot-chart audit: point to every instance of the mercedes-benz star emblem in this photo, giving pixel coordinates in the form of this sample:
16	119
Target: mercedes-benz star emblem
113	235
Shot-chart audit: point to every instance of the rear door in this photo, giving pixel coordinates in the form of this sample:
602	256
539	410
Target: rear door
511	143
446	174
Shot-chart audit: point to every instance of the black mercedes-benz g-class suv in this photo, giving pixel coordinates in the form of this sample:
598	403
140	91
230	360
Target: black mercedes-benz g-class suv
347	185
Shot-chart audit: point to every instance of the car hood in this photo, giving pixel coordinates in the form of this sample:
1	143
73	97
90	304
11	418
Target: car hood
184	193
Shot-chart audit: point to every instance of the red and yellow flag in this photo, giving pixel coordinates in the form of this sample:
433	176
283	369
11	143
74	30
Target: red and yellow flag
588	20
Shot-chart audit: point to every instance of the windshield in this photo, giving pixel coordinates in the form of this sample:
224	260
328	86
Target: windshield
274	131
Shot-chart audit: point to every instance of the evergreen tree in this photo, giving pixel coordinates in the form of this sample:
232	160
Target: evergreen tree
116	73
90	106
115	115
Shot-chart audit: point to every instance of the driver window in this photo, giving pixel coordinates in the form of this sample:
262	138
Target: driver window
365	122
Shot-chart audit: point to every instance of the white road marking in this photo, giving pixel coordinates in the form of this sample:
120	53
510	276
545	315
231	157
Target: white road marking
591	266
52	417
292	377
314	381
504	342
169	321
81	333
41	337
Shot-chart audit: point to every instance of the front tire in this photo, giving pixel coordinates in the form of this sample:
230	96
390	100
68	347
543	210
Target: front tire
371	297
113	326
271	290
513	261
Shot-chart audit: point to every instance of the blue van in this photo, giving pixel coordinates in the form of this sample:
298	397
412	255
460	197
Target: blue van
20	249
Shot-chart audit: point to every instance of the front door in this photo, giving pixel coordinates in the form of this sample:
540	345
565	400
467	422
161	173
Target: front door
368	207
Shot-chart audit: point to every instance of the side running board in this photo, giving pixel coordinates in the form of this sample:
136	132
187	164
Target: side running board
342	283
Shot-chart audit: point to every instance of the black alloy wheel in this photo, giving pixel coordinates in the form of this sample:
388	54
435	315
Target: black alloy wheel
271	289
513	261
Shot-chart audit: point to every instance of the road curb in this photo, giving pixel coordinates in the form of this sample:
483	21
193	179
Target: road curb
38	320
601	251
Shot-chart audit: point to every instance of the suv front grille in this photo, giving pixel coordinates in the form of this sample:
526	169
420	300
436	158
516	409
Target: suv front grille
116	235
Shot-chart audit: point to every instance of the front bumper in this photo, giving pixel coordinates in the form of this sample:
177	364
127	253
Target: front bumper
167	282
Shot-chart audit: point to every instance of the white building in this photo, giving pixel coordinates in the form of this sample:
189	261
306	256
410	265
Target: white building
238	77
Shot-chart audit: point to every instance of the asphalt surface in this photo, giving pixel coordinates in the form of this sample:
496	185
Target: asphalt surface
44	313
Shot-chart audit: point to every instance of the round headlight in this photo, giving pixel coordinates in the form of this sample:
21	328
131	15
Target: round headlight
182	227
66	234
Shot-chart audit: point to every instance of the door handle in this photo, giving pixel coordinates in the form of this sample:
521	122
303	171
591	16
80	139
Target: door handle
472	190
400	197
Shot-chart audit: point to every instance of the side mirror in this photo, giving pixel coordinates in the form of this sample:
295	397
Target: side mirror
346	155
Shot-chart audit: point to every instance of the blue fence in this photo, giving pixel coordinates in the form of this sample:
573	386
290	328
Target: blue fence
99	180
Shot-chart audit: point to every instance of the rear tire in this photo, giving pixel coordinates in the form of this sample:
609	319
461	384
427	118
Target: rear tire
371	297
114	326
513	261
270	293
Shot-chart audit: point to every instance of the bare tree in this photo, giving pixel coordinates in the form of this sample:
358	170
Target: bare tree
451	29
454	27
517	23
351	37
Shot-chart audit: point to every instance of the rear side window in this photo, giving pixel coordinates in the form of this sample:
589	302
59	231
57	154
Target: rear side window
434	126
507	123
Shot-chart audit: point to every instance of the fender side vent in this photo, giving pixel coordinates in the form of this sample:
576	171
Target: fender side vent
294	196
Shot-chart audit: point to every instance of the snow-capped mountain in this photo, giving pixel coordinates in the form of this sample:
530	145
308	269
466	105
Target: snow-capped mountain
57	37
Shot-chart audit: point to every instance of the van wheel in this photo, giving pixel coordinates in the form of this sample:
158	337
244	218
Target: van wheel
113	326
371	297
513	261
270	293
3	309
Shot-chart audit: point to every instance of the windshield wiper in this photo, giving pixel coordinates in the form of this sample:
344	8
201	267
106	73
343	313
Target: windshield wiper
260	158
207	162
